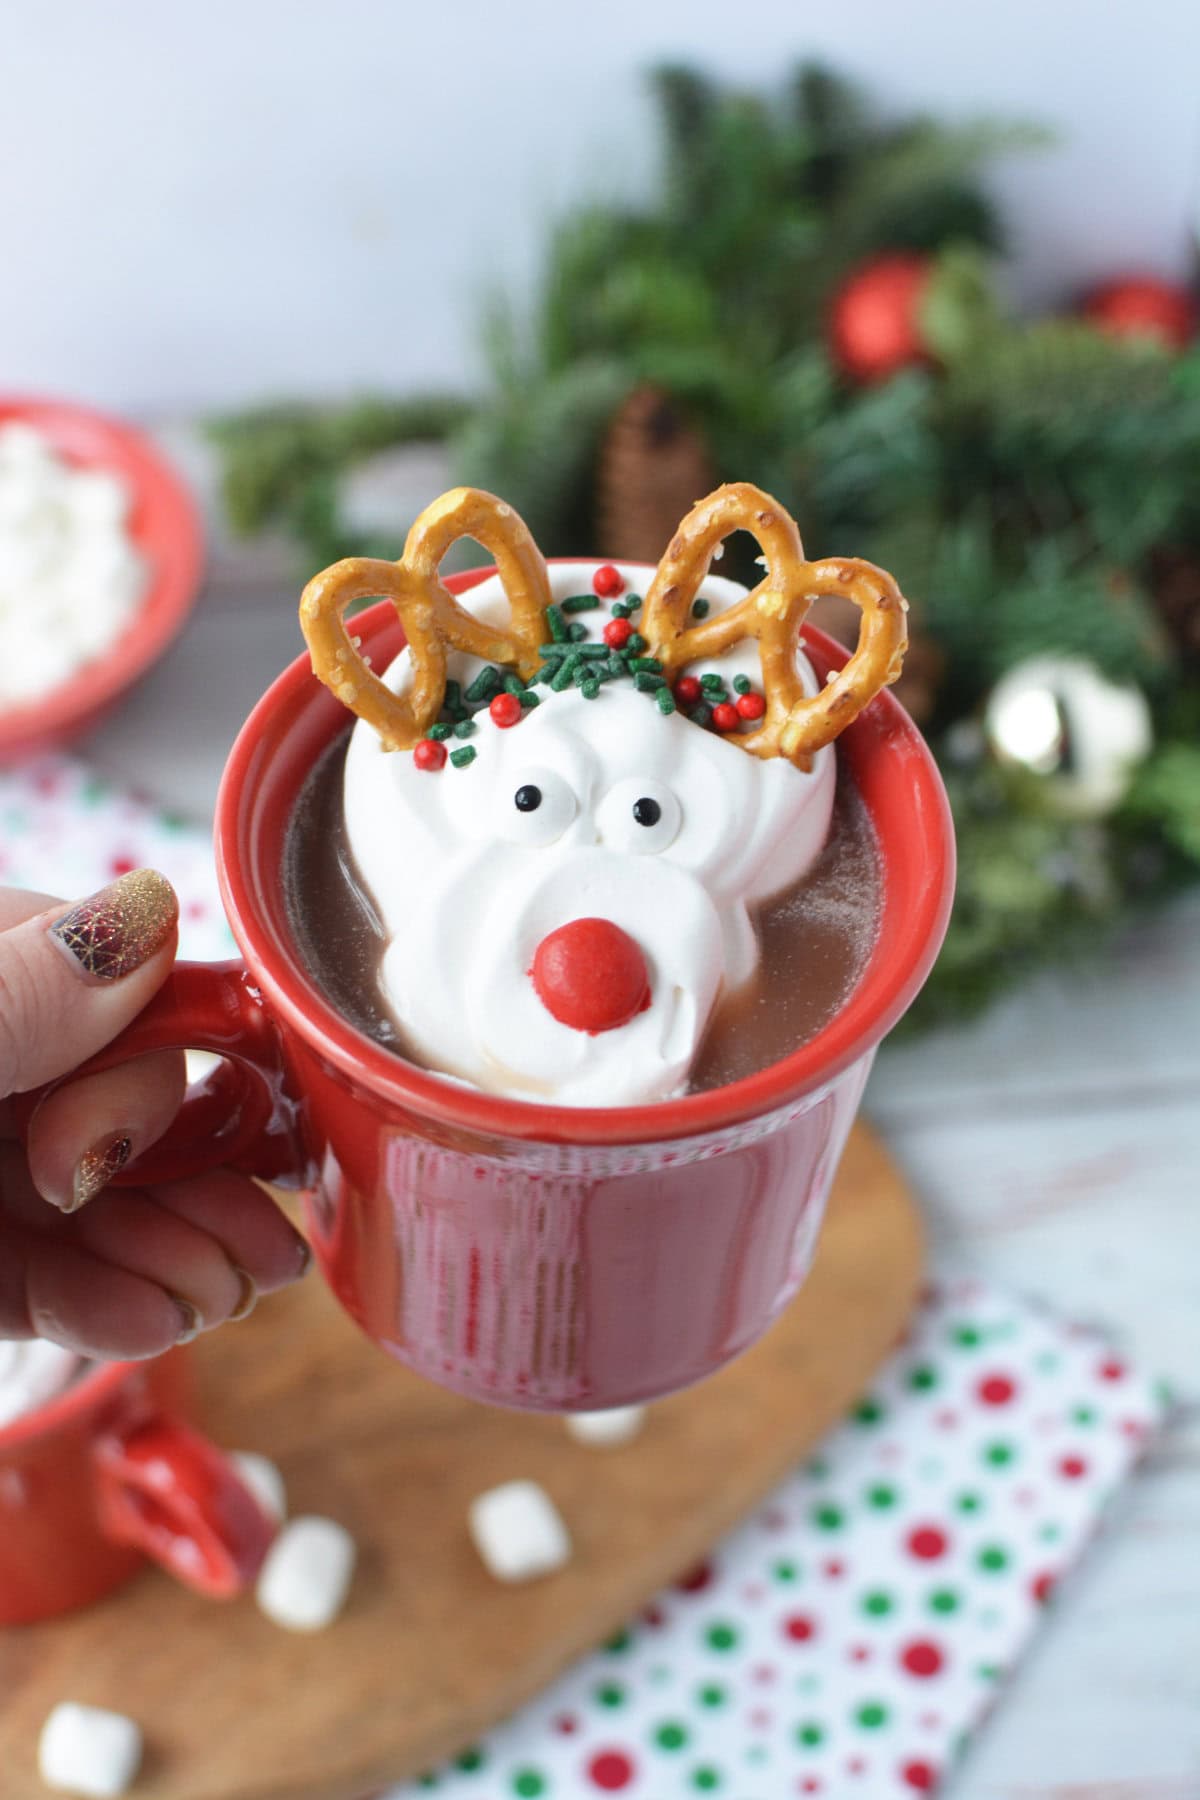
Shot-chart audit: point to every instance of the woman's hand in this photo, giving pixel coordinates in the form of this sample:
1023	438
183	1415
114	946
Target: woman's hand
111	1272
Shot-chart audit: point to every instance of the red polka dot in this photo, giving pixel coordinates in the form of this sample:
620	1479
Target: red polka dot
610	1770
1134	1428
566	1724
856	1766
1112	1370
811	1784
122	865
761	1718
696	1580
996	1390
800	1628
653	1616
922	1658
927	1543
764	1673
1042	1586
1072	1468
860	1653
919	1775
946	1420
833	1569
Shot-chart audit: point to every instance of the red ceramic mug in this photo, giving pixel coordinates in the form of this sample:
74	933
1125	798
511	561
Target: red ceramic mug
108	1473
549	1257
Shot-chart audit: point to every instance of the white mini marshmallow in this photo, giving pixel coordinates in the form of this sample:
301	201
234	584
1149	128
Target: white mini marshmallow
305	1578
32	1372
88	1750
518	1531
607	1429
264	1481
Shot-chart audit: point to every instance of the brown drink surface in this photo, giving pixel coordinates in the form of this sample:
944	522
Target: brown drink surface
816	937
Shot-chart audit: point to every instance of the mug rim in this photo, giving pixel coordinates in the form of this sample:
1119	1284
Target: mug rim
77	1397
879	997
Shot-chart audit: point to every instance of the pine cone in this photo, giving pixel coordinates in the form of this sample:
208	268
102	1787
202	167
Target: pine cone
1175	580
924	660
654	465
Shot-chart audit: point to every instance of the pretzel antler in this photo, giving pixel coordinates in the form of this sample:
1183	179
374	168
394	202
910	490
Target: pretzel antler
432	619
795	724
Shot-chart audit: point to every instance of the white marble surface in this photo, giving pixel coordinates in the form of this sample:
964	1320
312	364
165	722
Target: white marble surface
1056	1144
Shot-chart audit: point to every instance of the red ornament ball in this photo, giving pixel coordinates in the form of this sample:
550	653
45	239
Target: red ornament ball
1143	306
608	582
590	975
429	754
617	633
688	690
725	716
874	323
505	710
751	706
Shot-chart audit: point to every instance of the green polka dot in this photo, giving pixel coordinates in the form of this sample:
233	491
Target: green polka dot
659	1675
817	1468
1050	1534
721	1637
930	1469
757	1754
621	1642
671	1735
1048	1362
172	822
1083	1415
999	1455
610	1694
470	1760
969	1503
92	792
944	1600
828	1518
706	1778
785	1571
872	1716
808	1683
877	1604
869	1411
989	1671
990	1617
922	1378
427	1780
966	1337
881	1497
528	1784
711	1695
810	1734
993	1559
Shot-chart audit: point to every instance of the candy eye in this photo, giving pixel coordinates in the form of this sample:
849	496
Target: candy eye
639	815
537	808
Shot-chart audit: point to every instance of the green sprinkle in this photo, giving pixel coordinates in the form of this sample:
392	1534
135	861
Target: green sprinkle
439	733
551	650
527	697
712	684
664	699
485	684
742	684
577	633
617	666
453	701
701	714
564	674
619	609
461	758
636	644
647	665
557	624
580	603
465	728
546	673
699	609
648	684
632	602
593	652
589	687
513	684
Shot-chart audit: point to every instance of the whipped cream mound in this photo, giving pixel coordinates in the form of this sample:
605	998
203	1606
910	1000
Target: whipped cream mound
467	883
71	577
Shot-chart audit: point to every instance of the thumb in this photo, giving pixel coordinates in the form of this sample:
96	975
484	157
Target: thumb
73	977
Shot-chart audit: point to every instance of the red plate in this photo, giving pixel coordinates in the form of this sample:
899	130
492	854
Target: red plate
163	523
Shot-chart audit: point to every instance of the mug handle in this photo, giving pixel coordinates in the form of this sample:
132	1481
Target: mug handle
168	1492
240	1114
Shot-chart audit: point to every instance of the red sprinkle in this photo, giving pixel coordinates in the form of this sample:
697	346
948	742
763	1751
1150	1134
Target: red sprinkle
429	754
617	632
751	706
608	582
725	717
505	710
687	690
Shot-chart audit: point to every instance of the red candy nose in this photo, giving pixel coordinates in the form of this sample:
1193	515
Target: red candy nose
591	975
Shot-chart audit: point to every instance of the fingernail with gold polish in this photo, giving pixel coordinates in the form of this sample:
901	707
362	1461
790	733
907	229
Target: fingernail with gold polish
96	1168
248	1296
189	1320
114	932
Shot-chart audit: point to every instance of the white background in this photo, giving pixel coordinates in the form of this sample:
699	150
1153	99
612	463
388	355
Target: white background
206	204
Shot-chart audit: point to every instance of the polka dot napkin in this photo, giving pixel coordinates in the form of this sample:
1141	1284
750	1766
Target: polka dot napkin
848	1638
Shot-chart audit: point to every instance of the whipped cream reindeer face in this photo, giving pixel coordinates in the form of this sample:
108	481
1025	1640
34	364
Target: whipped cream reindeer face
588	809
565	882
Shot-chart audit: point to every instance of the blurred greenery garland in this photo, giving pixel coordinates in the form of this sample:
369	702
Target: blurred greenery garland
1032	483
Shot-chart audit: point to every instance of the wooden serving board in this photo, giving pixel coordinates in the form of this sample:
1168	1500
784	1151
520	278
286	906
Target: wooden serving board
431	1650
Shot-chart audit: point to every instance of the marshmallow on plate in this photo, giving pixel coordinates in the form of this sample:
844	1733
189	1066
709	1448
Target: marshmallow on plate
264	1481
89	1751
518	1531
305	1578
